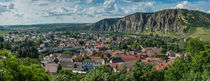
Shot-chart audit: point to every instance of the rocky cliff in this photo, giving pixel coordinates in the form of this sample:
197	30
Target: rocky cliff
165	21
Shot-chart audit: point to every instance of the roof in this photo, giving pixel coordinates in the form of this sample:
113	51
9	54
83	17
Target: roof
150	59
162	66
171	52
117	66
97	59
130	58
84	52
154	59
66	56
78	58
157	50
66	65
51	67
139	54
150	52
88	61
115	60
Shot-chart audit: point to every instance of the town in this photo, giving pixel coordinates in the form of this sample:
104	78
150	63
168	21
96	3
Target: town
81	52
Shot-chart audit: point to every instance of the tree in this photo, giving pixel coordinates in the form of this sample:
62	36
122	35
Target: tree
123	46
192	67
179	67
68	75
4	52
15	69
6	45
195	46
145	72
52	36
1	75
1	39
31	52
68	52
39	41
120	76
86	57
100	74
81	42
59	67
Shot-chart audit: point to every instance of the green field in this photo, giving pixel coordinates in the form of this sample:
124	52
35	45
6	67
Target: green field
4	32
201	33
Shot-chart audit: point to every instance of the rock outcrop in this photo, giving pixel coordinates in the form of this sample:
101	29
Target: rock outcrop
165	21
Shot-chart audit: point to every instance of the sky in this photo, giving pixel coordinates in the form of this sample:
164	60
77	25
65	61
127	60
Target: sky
22	12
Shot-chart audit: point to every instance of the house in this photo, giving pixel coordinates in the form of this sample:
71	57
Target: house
67	65
128	63
49	58
155	61
130	58
171	54
78	58
106	56
116	60
84	53
98	60
66	58
155	50
132	52
178	55
88	64
164	65
115	67
142	55
150	53
79	68
51	68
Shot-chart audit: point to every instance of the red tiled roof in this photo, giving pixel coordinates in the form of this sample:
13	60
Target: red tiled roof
118	42
162	66
157	59
117	52
98	42
84	52
141	54
130	58
150	59
78	58
83	47
150	52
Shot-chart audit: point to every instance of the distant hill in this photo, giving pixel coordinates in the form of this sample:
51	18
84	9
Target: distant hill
178	20
54	27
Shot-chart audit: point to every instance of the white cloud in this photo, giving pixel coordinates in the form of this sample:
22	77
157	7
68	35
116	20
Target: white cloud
90	1
55	11
183	4
208	11
6	7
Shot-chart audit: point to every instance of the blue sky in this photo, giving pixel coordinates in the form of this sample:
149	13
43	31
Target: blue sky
14	12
